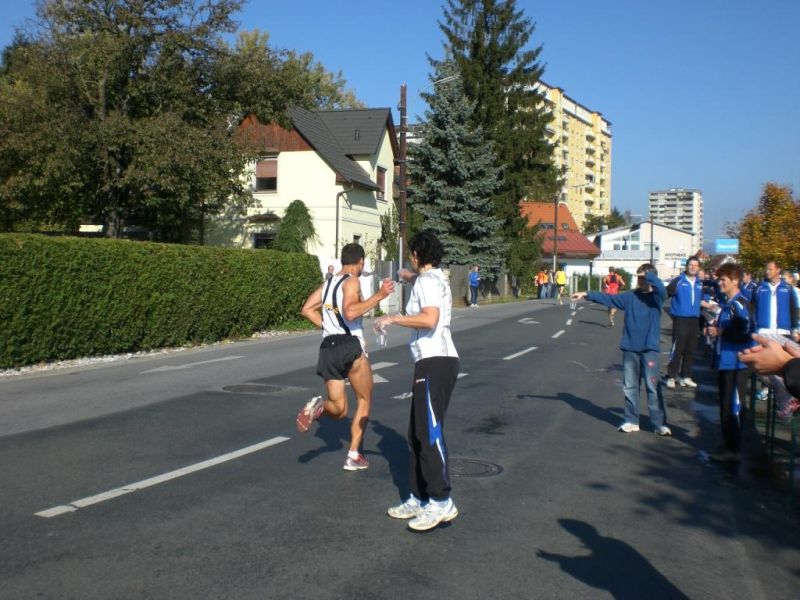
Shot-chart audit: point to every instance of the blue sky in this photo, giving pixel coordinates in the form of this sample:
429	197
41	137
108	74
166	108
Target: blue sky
701	94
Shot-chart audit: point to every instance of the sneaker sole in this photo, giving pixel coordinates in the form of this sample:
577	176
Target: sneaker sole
349	468
404	517
303	421
444	519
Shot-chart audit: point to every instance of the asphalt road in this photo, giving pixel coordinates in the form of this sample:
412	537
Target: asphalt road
96	499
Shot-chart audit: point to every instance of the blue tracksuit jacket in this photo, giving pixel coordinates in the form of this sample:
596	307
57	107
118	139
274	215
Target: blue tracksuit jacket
786	303
735	324
686	296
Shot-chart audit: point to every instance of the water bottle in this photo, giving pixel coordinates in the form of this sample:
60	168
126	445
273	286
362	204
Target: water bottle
573	304
380	335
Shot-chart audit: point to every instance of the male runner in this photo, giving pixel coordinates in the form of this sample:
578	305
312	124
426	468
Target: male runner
612	283
337	307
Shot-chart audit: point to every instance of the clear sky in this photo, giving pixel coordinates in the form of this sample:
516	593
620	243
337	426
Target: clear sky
701	94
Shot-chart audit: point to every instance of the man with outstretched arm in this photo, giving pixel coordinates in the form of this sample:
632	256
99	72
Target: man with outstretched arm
337	307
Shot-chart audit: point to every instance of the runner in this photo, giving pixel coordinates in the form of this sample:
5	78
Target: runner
435	373
612	283
337	307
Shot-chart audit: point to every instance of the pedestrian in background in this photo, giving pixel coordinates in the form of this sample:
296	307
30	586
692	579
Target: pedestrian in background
474	282
436	366
641	346
329	274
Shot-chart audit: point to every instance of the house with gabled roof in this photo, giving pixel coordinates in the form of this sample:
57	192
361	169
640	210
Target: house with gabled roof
340	163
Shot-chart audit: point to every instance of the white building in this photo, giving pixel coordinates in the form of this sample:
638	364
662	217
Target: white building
679	208
629	246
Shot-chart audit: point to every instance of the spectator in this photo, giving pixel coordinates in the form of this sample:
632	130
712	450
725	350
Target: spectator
474	282
776	304
641	345
733	330
686	292
748	285
329	274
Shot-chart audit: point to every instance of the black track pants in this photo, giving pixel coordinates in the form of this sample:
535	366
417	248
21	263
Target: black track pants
732	401
685	333
434	380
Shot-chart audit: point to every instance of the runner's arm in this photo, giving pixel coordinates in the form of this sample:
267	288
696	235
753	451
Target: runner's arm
352	304
312	309
428	318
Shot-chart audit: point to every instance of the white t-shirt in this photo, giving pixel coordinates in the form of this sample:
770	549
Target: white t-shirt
431	289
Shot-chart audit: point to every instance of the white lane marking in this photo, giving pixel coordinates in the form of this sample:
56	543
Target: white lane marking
460	375
573	313
383	365
528	321
581	307
378	379
569	322
513	356
402	396
146	483
190	365
558	334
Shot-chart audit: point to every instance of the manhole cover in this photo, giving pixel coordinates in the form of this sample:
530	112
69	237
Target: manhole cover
470	467
253	388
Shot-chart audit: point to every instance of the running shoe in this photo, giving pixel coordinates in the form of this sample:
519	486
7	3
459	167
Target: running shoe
356	464
663	431
310	413
628	427
670	383
407	510
433	514
688	382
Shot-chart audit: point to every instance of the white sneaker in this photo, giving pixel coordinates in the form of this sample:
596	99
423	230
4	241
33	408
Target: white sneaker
628	427
433	514
407	510
663	430
687	382
670	383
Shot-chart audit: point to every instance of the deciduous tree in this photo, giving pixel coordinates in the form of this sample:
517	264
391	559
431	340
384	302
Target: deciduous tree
769	231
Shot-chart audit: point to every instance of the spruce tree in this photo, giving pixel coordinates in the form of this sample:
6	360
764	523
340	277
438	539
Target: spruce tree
489	41
453	176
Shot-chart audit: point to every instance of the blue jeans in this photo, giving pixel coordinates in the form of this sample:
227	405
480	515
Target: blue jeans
637	366
473	294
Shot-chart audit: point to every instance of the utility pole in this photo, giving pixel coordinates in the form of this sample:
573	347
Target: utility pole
555	235
401	160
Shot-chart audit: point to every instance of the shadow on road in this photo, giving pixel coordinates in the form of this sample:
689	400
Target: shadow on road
334	433
394	448
612	565
581	404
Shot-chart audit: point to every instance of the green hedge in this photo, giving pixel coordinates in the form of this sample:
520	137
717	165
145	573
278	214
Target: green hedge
64	297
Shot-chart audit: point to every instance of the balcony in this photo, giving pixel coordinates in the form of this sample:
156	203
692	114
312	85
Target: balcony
550	129
590	135
637	255
590	161
589	186
588	201
590	148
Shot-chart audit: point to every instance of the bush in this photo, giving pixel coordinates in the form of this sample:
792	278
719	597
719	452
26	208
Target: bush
64	297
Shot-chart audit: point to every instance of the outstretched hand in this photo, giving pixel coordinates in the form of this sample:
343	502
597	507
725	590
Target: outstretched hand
578	296
768	357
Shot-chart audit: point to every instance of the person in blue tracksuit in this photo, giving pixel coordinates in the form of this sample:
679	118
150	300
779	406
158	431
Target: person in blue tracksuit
733	330
686	291
474	282
776	306
748	285
641	345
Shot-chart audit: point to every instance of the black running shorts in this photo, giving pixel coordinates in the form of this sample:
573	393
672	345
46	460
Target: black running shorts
337	353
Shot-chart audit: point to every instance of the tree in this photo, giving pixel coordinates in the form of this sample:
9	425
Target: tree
122	112
389	234
488	40
296	229
453	177
595	223
768	232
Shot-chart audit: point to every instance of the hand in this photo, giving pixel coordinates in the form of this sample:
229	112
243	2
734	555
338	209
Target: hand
387	287
405	274
578	296
711	331
770	357
382	322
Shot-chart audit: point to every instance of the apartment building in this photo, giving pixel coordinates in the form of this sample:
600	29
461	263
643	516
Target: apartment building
679	208
582	148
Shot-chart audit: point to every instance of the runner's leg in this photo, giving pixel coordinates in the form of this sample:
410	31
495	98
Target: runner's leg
360	376
335	406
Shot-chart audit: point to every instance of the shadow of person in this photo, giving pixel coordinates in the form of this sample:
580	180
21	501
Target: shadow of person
581	404
394	448
335	433
612	565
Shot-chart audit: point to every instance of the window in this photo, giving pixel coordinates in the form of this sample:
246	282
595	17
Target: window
381	181
267	175
263	240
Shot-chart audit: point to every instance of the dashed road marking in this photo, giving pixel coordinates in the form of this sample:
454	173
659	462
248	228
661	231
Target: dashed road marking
460	375
146	483
558	334
513	356
573	313
383	365
189	365
569	322
528	321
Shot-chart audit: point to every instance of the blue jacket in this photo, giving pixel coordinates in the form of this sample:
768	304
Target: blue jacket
735	326
474	278
686	296
786	303
748	289
641	330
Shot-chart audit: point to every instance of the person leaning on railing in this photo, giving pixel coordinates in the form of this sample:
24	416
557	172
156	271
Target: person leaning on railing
769	357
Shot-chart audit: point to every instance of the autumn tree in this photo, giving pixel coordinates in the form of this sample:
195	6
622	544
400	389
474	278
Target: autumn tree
769	231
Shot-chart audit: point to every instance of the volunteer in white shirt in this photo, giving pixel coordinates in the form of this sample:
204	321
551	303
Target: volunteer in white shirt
436	367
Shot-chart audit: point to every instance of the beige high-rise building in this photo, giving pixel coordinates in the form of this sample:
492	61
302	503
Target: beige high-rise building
582	148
